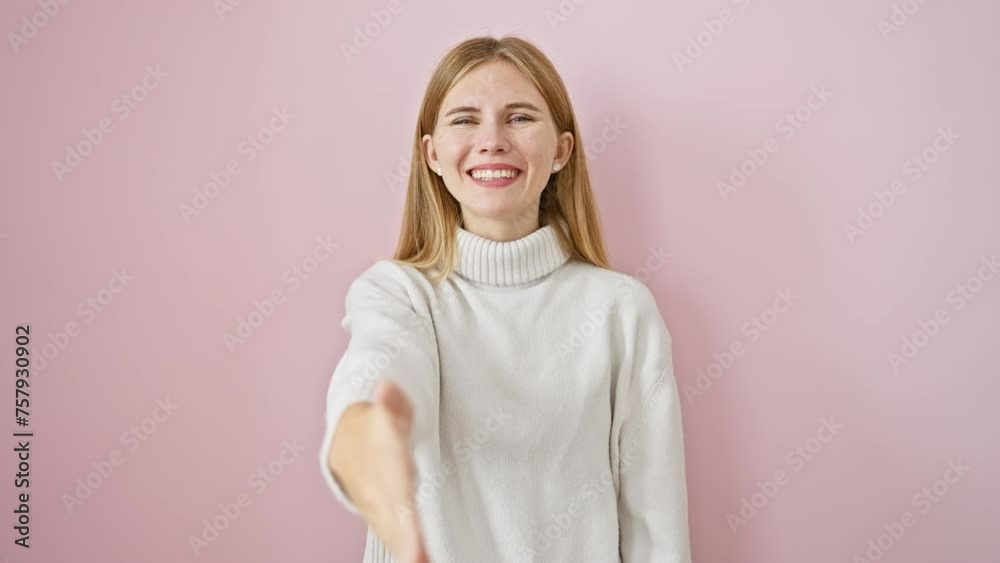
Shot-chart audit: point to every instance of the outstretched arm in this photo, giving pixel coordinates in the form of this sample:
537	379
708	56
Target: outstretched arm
389	339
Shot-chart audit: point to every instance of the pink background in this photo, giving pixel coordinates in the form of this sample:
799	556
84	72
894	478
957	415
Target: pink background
325	175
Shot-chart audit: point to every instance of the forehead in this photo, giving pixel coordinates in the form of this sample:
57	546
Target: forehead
493	84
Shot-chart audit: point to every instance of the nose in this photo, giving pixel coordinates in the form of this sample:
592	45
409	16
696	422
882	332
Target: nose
492	138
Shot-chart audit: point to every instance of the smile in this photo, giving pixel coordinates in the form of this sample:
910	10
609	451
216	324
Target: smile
486	174
494	177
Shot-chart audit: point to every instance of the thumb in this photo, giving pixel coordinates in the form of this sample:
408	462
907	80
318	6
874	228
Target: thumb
392	398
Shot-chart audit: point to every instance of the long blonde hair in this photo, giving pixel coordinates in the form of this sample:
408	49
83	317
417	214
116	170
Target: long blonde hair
431	214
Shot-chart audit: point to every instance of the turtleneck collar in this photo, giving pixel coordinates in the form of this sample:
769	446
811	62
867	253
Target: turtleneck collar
516	262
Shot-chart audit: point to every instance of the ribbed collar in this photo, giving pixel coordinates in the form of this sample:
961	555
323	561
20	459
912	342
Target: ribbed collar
509	263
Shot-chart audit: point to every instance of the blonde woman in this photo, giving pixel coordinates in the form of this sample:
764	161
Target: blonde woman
505	396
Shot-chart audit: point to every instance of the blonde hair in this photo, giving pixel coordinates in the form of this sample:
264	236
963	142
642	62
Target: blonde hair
431	214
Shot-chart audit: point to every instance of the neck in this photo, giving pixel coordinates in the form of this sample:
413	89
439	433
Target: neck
501	230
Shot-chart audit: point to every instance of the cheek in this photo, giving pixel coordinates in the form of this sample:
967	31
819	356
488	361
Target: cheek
537	150
540	162
450	147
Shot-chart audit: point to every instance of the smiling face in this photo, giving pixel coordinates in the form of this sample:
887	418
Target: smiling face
496	142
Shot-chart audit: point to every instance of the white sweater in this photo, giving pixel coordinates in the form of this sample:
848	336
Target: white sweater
547	423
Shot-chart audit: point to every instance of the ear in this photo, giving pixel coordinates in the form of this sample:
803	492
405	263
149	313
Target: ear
430	155
564	147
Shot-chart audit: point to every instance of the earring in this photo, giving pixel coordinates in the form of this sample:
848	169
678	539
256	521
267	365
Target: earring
439	170
555	167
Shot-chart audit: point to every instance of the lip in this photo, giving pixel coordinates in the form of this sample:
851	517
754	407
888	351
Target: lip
499	182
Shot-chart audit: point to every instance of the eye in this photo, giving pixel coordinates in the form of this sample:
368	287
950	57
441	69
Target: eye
519	118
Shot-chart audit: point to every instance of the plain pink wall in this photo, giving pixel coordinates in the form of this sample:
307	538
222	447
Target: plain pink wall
211	81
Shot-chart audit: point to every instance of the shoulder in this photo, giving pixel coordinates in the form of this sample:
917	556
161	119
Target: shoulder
391	282
631	306
391	274
627	294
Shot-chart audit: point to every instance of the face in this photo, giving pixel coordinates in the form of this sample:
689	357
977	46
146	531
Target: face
496	143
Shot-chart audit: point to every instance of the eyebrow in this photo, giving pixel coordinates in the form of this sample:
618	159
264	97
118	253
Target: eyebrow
513	105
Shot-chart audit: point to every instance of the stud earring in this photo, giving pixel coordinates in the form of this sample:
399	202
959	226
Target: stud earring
439	170
555	167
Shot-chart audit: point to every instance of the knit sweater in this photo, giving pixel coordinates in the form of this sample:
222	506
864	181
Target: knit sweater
547	423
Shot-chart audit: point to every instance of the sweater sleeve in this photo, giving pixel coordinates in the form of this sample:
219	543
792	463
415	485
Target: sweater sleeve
389	338
649	445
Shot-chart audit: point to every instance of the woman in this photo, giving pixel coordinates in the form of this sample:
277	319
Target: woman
505	396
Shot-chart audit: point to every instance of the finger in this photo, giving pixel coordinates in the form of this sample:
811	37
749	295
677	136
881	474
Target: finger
399	527
407	511
399	486
415	549
390	397
381	389
420	548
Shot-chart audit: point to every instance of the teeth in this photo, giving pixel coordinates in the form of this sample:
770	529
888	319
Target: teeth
493	174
